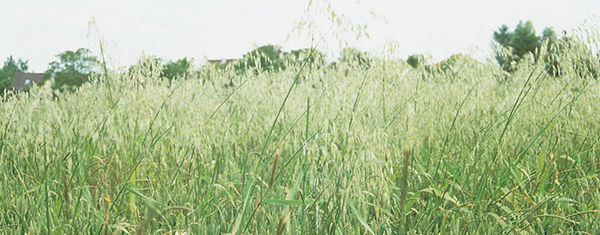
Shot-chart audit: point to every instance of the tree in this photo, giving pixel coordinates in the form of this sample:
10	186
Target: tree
415	60
503	37
174	69
549	35
353	55
524	40
72	69
521	41
313	57
264	58
10	67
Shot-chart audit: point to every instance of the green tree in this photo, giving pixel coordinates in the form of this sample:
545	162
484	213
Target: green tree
10	67
314	58
524	40
503	36
264	58
521	41
415	60
353	55
174	69
72	69
549	35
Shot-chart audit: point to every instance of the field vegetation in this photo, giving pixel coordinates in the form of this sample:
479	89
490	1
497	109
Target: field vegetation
382	147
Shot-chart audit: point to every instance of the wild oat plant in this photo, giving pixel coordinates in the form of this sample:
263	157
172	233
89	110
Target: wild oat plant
384	149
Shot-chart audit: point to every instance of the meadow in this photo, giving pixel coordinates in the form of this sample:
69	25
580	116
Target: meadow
387	149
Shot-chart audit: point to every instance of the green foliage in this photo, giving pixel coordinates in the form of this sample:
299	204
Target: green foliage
5	84
346	151
567	55
354	56
521	41
314	58
549	35
563	55
353	155
10	67
72	68
264	58
503	36
453	66
415	60
147	67
174	69
270	58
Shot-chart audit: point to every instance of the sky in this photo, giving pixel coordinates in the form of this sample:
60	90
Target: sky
39	30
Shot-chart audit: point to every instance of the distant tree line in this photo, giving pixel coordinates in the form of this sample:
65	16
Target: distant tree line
8	70
519	42
512	46
557	54
271	58
71	69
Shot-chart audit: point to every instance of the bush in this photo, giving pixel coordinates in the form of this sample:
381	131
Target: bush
415	60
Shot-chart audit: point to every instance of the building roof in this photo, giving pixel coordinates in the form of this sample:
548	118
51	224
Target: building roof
221	61
23	79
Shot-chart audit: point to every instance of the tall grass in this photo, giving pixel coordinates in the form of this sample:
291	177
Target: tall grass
311	151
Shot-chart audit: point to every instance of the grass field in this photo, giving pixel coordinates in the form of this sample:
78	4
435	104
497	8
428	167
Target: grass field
347	150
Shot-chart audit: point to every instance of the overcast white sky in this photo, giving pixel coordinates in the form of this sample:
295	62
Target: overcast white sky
38	30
